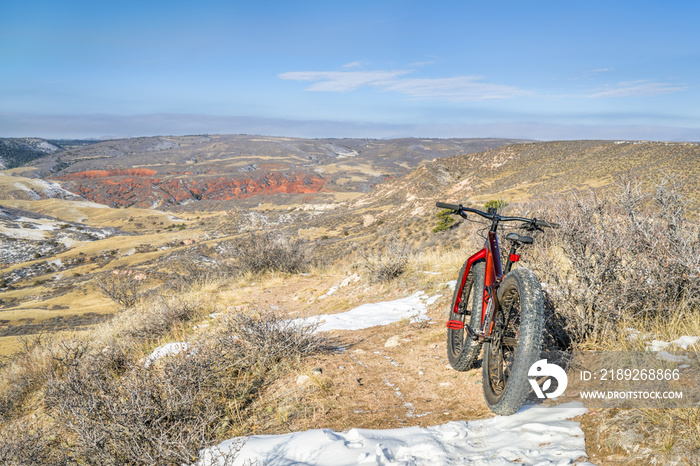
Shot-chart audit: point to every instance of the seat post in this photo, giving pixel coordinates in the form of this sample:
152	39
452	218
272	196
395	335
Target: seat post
511	255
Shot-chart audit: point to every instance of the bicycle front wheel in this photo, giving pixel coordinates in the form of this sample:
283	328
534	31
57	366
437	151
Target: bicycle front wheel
462	351
516	342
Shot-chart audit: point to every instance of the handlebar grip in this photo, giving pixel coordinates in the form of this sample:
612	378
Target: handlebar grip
443	205
542	223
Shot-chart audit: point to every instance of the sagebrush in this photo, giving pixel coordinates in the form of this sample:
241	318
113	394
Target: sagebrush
265	252
631	254
99	402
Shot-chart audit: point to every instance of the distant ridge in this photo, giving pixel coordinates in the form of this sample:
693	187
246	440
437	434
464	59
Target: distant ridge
520	172
214	171
15	152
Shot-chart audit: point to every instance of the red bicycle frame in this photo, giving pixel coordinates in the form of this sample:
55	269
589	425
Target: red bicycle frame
492	277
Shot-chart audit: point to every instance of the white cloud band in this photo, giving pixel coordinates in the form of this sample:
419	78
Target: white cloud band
641	88
459	88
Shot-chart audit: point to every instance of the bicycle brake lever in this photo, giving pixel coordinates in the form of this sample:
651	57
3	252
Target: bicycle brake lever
531	226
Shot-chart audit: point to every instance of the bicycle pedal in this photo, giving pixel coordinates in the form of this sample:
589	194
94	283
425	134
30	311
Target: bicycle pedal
455	324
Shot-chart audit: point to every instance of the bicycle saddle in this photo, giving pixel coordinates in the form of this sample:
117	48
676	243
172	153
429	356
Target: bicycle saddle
519	238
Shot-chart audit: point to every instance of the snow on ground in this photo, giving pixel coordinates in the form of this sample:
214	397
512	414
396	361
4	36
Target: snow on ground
44	224
414	307
37	189
168	349
23	233
534	435
659	347
351	279
683	342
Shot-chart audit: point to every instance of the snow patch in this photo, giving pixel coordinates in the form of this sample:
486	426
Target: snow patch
23	233
534	435
685	341
666	356
330	292
354	278
413	307
169	349
39	223
659	347
56	262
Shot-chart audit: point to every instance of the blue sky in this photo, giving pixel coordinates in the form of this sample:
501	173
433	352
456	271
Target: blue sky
540	69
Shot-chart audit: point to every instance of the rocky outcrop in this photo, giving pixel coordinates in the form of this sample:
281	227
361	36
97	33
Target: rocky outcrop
143	188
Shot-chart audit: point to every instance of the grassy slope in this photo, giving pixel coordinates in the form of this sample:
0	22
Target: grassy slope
371	374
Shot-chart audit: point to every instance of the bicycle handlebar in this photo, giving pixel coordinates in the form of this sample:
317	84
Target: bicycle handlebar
460	209
442	205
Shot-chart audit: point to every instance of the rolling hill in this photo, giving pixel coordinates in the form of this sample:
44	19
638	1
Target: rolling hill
530	171
215	171
57	246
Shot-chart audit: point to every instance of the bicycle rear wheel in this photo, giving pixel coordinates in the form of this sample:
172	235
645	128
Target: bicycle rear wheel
516	342
462	351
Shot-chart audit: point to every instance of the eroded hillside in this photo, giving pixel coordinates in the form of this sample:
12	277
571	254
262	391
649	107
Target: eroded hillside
530	171
54	242
219	171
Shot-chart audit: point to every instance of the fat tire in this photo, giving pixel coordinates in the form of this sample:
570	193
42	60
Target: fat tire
506	400
462	351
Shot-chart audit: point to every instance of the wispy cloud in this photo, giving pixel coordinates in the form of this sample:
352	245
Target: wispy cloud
590	74
420	64
458	88
640	88
344	81
353	64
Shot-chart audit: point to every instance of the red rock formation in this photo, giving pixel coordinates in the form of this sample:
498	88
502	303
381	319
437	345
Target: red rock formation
140	187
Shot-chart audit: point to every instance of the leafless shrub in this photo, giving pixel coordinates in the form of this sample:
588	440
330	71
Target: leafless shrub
384	265
161	314
265	252
162	415
23	374
633	253
122	286
28	442
68	353
268	338
167	411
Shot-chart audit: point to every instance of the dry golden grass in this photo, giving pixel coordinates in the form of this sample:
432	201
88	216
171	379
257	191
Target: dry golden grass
93	214
370	385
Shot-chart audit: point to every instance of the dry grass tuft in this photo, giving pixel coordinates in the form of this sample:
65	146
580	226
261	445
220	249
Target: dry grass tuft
387	262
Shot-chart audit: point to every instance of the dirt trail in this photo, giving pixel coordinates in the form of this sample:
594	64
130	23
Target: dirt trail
385	377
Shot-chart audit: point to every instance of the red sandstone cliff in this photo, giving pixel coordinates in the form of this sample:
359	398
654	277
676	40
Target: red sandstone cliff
142	188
